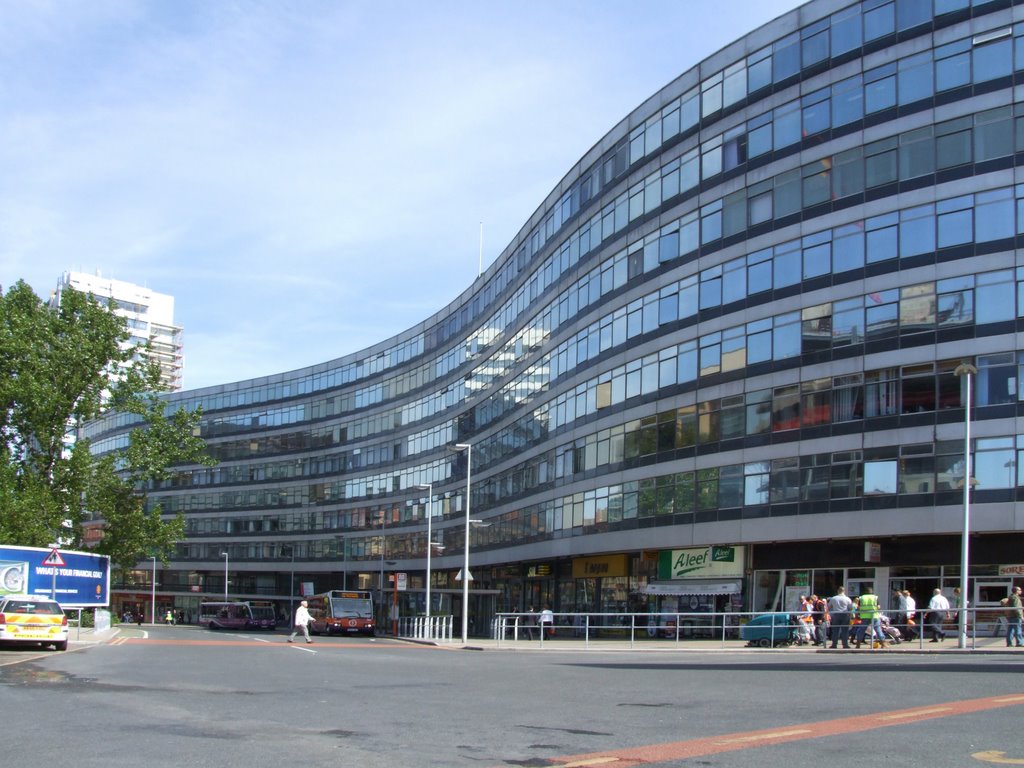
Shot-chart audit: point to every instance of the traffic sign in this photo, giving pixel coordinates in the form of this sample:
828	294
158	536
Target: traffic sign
54	558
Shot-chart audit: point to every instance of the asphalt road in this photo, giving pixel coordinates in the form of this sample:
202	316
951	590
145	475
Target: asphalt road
182	696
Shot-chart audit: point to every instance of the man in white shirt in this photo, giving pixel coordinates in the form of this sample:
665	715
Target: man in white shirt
302	619
839	606
938	608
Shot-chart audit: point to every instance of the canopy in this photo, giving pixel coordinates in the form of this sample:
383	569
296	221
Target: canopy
693	587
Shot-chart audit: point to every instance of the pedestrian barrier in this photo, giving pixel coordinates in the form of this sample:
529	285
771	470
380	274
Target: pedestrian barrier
426	628
762	629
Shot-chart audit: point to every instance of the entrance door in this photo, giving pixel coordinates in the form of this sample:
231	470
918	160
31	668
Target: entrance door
988	620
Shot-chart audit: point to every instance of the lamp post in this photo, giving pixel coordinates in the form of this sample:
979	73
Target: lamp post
291	585
430	540
152	595
225	556
465	560
965	371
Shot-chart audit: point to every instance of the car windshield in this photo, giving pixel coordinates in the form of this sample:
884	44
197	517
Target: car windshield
33	606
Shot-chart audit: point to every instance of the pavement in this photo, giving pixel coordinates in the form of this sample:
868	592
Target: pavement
641	644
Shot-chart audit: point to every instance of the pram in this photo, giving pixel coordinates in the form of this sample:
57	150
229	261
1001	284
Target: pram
892	633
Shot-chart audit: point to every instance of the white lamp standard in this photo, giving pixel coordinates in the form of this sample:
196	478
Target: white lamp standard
291	584
225	556
965	371
152	596
430	541
465	560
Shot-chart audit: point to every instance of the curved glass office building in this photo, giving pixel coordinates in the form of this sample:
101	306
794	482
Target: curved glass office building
722	364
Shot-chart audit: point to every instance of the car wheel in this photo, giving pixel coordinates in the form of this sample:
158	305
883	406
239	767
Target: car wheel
764	642
61	646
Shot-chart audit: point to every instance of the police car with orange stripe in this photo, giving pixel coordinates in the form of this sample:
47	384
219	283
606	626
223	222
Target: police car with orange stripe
33	619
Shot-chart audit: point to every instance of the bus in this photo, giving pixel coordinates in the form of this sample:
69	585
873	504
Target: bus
249	614
341	612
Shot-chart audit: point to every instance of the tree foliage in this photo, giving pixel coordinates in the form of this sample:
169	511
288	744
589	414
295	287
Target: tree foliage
61	367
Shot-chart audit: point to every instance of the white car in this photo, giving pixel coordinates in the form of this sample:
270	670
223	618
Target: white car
33	619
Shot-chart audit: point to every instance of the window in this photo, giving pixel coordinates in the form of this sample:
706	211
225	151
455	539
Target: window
993	134
953	143
880	88
880	164
881	393
880	477
993	59
996	379
994	297
914	78
917	153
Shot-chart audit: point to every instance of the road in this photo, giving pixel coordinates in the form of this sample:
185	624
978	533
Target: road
181	696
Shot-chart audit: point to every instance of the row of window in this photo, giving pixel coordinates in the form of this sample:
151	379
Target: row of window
747	490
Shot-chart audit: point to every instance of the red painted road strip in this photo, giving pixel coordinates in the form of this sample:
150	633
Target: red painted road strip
731	742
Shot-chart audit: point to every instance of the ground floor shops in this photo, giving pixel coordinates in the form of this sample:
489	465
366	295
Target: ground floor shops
715	579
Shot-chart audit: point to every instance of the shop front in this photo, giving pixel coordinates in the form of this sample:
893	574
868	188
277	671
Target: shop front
693	581
784	572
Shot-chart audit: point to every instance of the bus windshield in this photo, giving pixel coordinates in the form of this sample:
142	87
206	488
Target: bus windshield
351	607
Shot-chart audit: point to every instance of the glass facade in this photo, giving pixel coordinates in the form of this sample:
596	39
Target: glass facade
746	308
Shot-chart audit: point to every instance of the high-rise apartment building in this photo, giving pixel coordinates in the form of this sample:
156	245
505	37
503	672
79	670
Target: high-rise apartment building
149	315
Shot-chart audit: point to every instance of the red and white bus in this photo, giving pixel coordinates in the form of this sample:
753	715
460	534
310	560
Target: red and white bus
252	614
341	612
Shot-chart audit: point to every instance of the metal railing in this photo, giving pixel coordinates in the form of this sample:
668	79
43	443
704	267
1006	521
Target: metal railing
426	627
757	628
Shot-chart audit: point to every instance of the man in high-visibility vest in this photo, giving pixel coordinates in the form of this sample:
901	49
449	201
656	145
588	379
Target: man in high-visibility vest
869	613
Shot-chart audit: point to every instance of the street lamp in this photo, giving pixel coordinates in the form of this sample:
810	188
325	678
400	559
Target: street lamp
965	371
225	556
291	584
152	596
344	562
429	487
465	560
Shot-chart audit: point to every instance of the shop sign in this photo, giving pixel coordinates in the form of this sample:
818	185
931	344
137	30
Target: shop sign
1011	570
872	552
596	567
538	571
700	563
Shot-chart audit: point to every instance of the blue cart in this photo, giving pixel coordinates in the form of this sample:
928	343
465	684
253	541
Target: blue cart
769	630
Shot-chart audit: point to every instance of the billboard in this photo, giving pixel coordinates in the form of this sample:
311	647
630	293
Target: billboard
76	579
701	563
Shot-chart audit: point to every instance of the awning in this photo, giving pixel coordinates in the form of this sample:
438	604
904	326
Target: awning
693	587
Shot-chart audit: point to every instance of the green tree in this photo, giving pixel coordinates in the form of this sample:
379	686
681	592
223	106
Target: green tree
61	367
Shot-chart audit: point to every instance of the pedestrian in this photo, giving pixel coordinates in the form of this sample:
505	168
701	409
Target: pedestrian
1014	635
821	620
961	605
546	620
302	619
803	621
529	622
911	609
938	612
870	616
138	617
839	606
168	618
899	602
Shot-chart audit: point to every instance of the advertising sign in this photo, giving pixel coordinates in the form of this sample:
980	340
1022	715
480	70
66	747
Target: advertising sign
77	579
700	563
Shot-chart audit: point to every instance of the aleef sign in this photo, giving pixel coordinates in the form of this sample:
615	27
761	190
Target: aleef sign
700	563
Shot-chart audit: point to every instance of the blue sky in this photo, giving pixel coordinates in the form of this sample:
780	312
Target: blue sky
308	178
